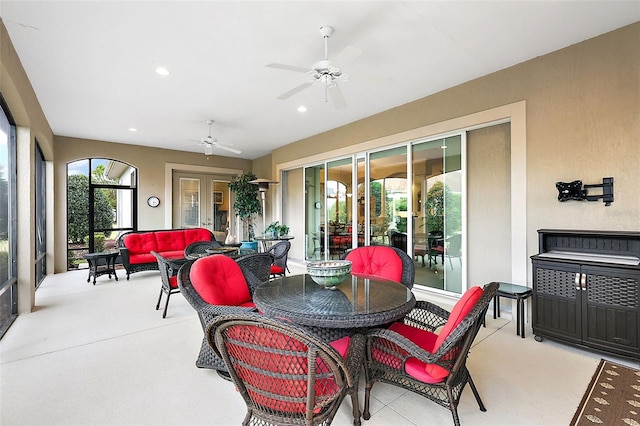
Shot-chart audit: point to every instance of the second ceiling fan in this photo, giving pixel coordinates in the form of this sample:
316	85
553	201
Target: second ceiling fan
322	72
210	142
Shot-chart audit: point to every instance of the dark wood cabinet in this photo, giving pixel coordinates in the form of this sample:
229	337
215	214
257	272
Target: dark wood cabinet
586	287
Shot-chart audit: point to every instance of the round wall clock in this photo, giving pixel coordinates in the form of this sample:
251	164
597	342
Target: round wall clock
318	204
153	201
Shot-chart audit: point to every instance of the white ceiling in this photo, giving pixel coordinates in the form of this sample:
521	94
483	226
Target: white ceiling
92	63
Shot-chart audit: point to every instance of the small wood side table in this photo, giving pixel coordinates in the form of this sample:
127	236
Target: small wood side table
99	267
516	292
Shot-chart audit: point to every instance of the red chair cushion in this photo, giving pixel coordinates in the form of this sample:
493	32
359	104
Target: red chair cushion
430	342
219	280
460	310
173	281
379	261
277	269
291	364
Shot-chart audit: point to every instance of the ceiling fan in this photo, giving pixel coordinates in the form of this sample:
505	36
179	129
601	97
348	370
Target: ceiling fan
322	72
210	142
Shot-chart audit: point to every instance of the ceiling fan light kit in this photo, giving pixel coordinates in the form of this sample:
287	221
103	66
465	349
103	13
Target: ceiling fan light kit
322	72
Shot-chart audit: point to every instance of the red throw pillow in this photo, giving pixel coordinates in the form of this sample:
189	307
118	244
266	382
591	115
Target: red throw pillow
379	261
218	279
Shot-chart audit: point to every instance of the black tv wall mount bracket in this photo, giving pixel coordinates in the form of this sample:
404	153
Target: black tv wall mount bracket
574	191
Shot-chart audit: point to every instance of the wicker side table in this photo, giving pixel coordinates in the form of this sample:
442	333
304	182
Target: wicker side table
101	263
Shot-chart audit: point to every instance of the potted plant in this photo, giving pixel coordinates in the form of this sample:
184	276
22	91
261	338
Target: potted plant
276	229
246	204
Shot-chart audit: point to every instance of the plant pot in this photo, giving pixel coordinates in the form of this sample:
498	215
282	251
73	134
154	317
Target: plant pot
250	245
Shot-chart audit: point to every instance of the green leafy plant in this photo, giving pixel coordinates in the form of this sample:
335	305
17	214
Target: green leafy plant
246	203
276	229
78	209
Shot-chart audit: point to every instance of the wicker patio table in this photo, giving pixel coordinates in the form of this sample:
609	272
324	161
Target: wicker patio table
357	302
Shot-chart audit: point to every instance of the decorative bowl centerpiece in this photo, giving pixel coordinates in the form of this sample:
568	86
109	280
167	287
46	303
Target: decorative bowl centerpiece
329	273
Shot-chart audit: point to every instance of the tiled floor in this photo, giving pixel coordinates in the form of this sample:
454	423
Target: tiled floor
92	355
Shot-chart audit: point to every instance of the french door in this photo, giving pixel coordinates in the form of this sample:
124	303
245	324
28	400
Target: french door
203	200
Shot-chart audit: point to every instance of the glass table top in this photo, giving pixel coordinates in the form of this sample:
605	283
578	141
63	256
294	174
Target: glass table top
356	302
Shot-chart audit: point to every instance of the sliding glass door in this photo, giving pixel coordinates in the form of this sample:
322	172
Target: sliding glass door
438	195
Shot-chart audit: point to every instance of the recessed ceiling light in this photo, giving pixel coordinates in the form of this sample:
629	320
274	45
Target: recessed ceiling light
133	129
162	71
302	108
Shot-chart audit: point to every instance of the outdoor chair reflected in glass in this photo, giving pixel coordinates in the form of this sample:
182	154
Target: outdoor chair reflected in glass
410	354
286	375
217	285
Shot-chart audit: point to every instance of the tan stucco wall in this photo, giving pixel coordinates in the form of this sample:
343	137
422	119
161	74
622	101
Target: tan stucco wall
582	105
31	126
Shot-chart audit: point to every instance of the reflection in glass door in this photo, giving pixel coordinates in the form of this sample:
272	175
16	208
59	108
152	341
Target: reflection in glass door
315	212
339	199
437	195
202	201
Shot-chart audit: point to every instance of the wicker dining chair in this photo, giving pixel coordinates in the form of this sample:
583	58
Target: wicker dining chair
410	354
168	277
286	375
382	261
199	248
280	252
217	285
259	264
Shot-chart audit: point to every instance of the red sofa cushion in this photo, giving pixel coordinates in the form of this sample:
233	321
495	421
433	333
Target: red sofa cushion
195	234
218	279
170	241
379	261
141	243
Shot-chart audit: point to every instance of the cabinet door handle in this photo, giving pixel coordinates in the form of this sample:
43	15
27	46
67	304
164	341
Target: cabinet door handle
583	282
577	281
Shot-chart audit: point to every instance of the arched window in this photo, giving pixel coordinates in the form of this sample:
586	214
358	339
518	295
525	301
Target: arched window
101	203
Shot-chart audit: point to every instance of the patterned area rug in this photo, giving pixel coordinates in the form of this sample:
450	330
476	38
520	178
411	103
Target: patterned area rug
612	397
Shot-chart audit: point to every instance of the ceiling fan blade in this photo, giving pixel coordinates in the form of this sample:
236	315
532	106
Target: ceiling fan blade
295	90
337	98
288	68
227	148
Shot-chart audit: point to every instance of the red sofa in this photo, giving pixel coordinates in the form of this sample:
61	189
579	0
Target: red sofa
136	246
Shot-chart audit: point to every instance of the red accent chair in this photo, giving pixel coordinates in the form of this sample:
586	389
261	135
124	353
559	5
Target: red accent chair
217	285
384	262
280	252
412	355
285	374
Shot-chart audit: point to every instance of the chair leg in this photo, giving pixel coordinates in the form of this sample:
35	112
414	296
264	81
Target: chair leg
356	406
166	305
159	299
452	407
476	394
367	394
